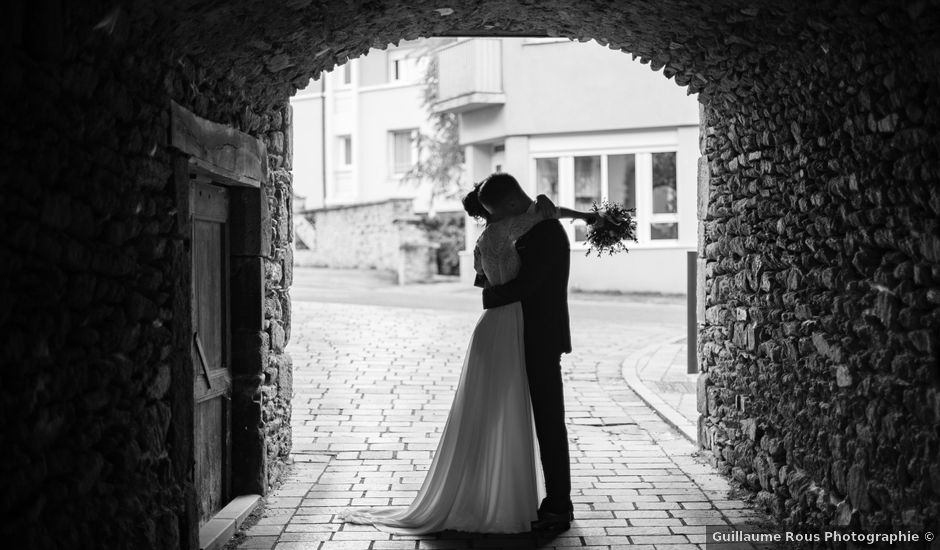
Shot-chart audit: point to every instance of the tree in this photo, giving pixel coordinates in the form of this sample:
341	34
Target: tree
440	156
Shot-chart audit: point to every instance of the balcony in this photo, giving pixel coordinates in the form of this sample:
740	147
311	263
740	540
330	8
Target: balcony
470	75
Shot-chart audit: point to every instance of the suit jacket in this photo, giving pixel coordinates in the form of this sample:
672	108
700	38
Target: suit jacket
541	286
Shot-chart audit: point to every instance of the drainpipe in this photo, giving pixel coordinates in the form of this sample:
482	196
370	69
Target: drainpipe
323	134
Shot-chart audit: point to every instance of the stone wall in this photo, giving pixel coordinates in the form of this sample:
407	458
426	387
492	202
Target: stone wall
263	394
88	283
266	391
383	235
94	276
276	388
820	344
822	251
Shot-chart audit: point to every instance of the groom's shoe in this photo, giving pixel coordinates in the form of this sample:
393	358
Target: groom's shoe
555	522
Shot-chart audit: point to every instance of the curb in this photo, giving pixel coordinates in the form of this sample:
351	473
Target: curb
671	416
216	532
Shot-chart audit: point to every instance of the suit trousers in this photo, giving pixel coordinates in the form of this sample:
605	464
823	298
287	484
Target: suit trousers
543	370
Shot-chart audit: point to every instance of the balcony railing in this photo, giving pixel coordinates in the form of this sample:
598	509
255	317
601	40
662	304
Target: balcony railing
470	75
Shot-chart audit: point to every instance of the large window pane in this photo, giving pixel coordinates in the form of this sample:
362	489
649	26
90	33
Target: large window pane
587	181
587	187
345	150
664	183
664	231
621	176
402	149
546	178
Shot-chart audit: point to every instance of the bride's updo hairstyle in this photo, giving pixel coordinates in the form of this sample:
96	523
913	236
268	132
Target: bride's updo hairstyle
471	203
498	187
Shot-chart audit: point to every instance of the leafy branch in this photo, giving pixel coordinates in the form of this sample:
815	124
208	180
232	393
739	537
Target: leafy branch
440	156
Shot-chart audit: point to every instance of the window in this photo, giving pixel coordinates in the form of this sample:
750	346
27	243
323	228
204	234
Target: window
546	178
645	181
403	150
404	66
587	188
621	179
499	156
342	75
345	151
664	221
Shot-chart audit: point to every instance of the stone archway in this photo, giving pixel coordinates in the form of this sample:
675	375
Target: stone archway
819	240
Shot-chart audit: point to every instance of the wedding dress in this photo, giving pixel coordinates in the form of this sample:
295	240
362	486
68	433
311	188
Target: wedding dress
485	476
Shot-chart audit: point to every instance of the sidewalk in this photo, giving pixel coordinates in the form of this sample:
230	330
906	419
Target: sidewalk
657	373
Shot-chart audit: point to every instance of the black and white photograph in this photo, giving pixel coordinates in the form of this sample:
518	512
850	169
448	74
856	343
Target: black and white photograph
502	274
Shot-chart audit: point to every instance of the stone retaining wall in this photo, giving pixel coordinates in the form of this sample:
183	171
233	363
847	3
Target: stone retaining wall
383	235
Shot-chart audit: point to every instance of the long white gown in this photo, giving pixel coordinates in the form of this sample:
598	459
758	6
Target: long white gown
485	476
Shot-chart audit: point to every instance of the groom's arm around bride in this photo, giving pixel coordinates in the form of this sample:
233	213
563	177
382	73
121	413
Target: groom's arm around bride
542	287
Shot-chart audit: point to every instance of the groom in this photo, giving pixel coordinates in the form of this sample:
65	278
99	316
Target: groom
542	287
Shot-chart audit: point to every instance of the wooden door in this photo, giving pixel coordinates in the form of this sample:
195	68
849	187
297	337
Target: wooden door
212	384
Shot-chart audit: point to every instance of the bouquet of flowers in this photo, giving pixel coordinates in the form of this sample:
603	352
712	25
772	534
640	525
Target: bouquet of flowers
613	224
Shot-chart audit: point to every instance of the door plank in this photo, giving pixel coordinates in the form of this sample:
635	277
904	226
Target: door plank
210	202
211	386
207	247
208	474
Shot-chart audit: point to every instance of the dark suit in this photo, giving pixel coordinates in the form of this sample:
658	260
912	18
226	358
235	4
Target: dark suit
542	287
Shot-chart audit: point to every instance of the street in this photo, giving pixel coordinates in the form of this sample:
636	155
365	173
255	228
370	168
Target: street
376	288
375	369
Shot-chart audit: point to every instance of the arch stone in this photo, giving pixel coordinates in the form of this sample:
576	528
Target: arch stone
820	239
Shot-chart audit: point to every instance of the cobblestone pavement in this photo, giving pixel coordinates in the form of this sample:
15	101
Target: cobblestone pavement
372	389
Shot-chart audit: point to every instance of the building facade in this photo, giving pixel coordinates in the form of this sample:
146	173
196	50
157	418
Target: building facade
355	130
578	122
582	123
355	139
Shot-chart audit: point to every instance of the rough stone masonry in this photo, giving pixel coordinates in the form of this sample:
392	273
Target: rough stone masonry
820	240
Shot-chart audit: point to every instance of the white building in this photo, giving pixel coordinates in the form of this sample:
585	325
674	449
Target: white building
354	130
582	123
578	122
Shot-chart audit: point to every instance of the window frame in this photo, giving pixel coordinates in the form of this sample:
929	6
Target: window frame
643	165
340	73
346	150
662	217
399	59
392	164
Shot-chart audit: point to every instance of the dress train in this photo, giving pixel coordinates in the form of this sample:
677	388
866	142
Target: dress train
485	476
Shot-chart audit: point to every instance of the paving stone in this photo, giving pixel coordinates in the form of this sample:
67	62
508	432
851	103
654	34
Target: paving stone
372	416
394	545
262	529
660	539
297	546
342	545
258	543
288	536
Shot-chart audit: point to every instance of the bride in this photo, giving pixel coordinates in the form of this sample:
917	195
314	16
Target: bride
485	475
